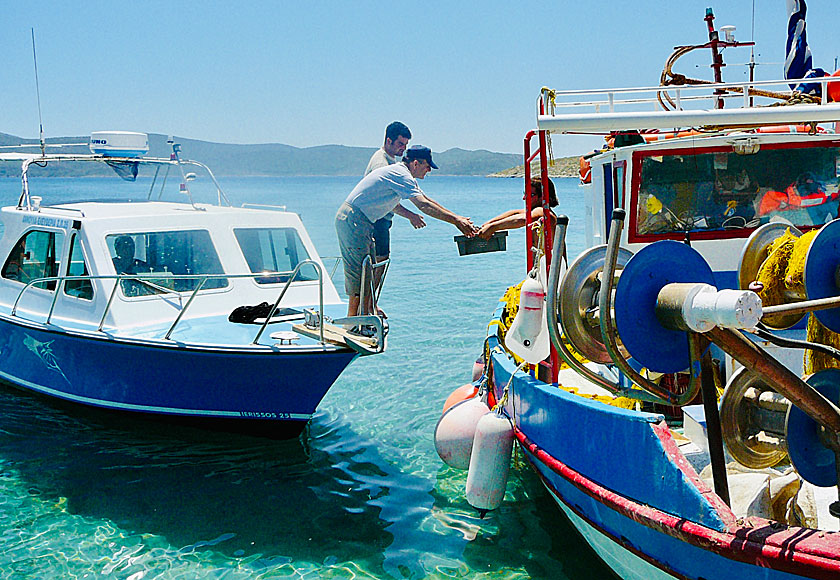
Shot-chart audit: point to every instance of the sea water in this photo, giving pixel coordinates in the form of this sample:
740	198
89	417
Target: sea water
362	494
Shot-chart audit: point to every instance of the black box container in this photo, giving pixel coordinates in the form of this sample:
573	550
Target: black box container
496	243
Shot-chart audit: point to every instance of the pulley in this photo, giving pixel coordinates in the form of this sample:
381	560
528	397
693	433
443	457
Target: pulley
807	440
579	302
755	251
752	417
645	274
822	272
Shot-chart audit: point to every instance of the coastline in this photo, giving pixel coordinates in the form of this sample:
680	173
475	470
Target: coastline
562	167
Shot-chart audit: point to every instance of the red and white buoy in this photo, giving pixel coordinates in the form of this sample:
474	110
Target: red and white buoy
490	462
455	432
462	393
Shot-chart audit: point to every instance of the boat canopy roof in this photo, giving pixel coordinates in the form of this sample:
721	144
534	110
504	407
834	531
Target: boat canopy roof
683	106
125	167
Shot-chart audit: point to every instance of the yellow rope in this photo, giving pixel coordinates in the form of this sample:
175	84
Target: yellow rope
511	301
772	272
795	272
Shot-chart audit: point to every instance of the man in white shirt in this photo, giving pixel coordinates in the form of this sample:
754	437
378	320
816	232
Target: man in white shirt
377	194
397	136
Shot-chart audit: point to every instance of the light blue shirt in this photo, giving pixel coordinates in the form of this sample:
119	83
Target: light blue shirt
379	192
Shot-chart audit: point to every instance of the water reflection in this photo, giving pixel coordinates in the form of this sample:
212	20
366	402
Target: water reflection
313	498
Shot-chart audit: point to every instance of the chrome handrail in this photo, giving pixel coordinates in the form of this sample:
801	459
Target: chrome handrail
145	279
369	265
283	293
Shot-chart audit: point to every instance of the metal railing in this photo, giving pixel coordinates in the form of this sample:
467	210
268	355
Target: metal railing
374	285
147	280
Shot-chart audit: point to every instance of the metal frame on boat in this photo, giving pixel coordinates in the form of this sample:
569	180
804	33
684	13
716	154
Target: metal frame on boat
623	417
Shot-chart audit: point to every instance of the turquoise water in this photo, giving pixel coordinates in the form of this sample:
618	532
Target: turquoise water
361	495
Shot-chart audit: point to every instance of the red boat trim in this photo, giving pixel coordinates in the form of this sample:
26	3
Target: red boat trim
795	550
677	458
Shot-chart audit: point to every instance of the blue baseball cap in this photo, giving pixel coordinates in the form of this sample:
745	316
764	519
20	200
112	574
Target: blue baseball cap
420	152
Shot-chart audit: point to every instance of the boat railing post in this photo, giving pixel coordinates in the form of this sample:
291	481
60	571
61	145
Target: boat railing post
283	293
110	301
187	305
372	286
528	157
58	288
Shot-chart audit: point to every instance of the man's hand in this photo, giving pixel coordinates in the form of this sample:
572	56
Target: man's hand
466	227
417	220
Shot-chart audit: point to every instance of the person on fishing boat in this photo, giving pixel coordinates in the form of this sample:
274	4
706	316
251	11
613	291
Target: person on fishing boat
516	218
378	193
807	191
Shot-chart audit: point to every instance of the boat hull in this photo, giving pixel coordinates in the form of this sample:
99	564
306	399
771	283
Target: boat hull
621	480
261	390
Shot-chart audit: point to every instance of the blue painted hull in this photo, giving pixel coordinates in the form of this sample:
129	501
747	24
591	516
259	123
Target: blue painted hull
620	478
205	385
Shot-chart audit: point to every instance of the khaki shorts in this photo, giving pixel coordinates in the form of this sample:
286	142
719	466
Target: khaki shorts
355	238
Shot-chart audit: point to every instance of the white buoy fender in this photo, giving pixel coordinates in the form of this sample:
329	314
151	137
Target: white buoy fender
527	337
490	462
455	432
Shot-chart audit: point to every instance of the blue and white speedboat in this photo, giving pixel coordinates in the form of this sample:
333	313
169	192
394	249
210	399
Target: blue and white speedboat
209	314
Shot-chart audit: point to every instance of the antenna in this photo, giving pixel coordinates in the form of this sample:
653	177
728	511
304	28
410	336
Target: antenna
38	94
752	49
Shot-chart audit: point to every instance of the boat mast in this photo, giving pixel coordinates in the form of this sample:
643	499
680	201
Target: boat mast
38	95
717	57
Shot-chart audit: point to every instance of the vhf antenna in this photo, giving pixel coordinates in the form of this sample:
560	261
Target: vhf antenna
38	94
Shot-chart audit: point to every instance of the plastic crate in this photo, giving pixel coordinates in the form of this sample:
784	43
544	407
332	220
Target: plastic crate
496	243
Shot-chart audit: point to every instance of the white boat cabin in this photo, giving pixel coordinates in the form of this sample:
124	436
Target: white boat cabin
122	267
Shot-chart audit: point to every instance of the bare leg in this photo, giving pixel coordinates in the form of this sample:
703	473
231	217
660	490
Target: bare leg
377	280
353	305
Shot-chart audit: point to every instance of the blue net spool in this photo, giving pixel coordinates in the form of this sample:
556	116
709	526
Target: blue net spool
646	273
812	459
821	265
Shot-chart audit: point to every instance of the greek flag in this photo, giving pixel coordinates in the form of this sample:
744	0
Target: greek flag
798	63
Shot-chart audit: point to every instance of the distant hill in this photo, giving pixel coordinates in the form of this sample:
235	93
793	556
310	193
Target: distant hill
562	167
275	159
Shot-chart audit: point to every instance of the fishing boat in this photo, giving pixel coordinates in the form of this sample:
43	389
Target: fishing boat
683	412
202	313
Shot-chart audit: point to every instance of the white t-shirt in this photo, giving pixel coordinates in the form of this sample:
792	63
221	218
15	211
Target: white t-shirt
379	159
379	192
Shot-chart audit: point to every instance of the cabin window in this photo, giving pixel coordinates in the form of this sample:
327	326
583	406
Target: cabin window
277	251
724	190
77	267
165	261
35	256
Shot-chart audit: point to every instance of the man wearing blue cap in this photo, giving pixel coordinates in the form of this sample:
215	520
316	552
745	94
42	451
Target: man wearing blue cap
375	196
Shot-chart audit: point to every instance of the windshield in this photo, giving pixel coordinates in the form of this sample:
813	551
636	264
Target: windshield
725	190
274	250
166	255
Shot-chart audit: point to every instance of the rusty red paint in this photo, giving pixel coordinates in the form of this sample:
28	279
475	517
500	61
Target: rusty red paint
795	550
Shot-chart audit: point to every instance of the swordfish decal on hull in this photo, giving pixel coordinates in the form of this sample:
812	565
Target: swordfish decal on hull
43	350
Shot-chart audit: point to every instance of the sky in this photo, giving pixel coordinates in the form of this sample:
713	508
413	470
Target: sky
306	73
